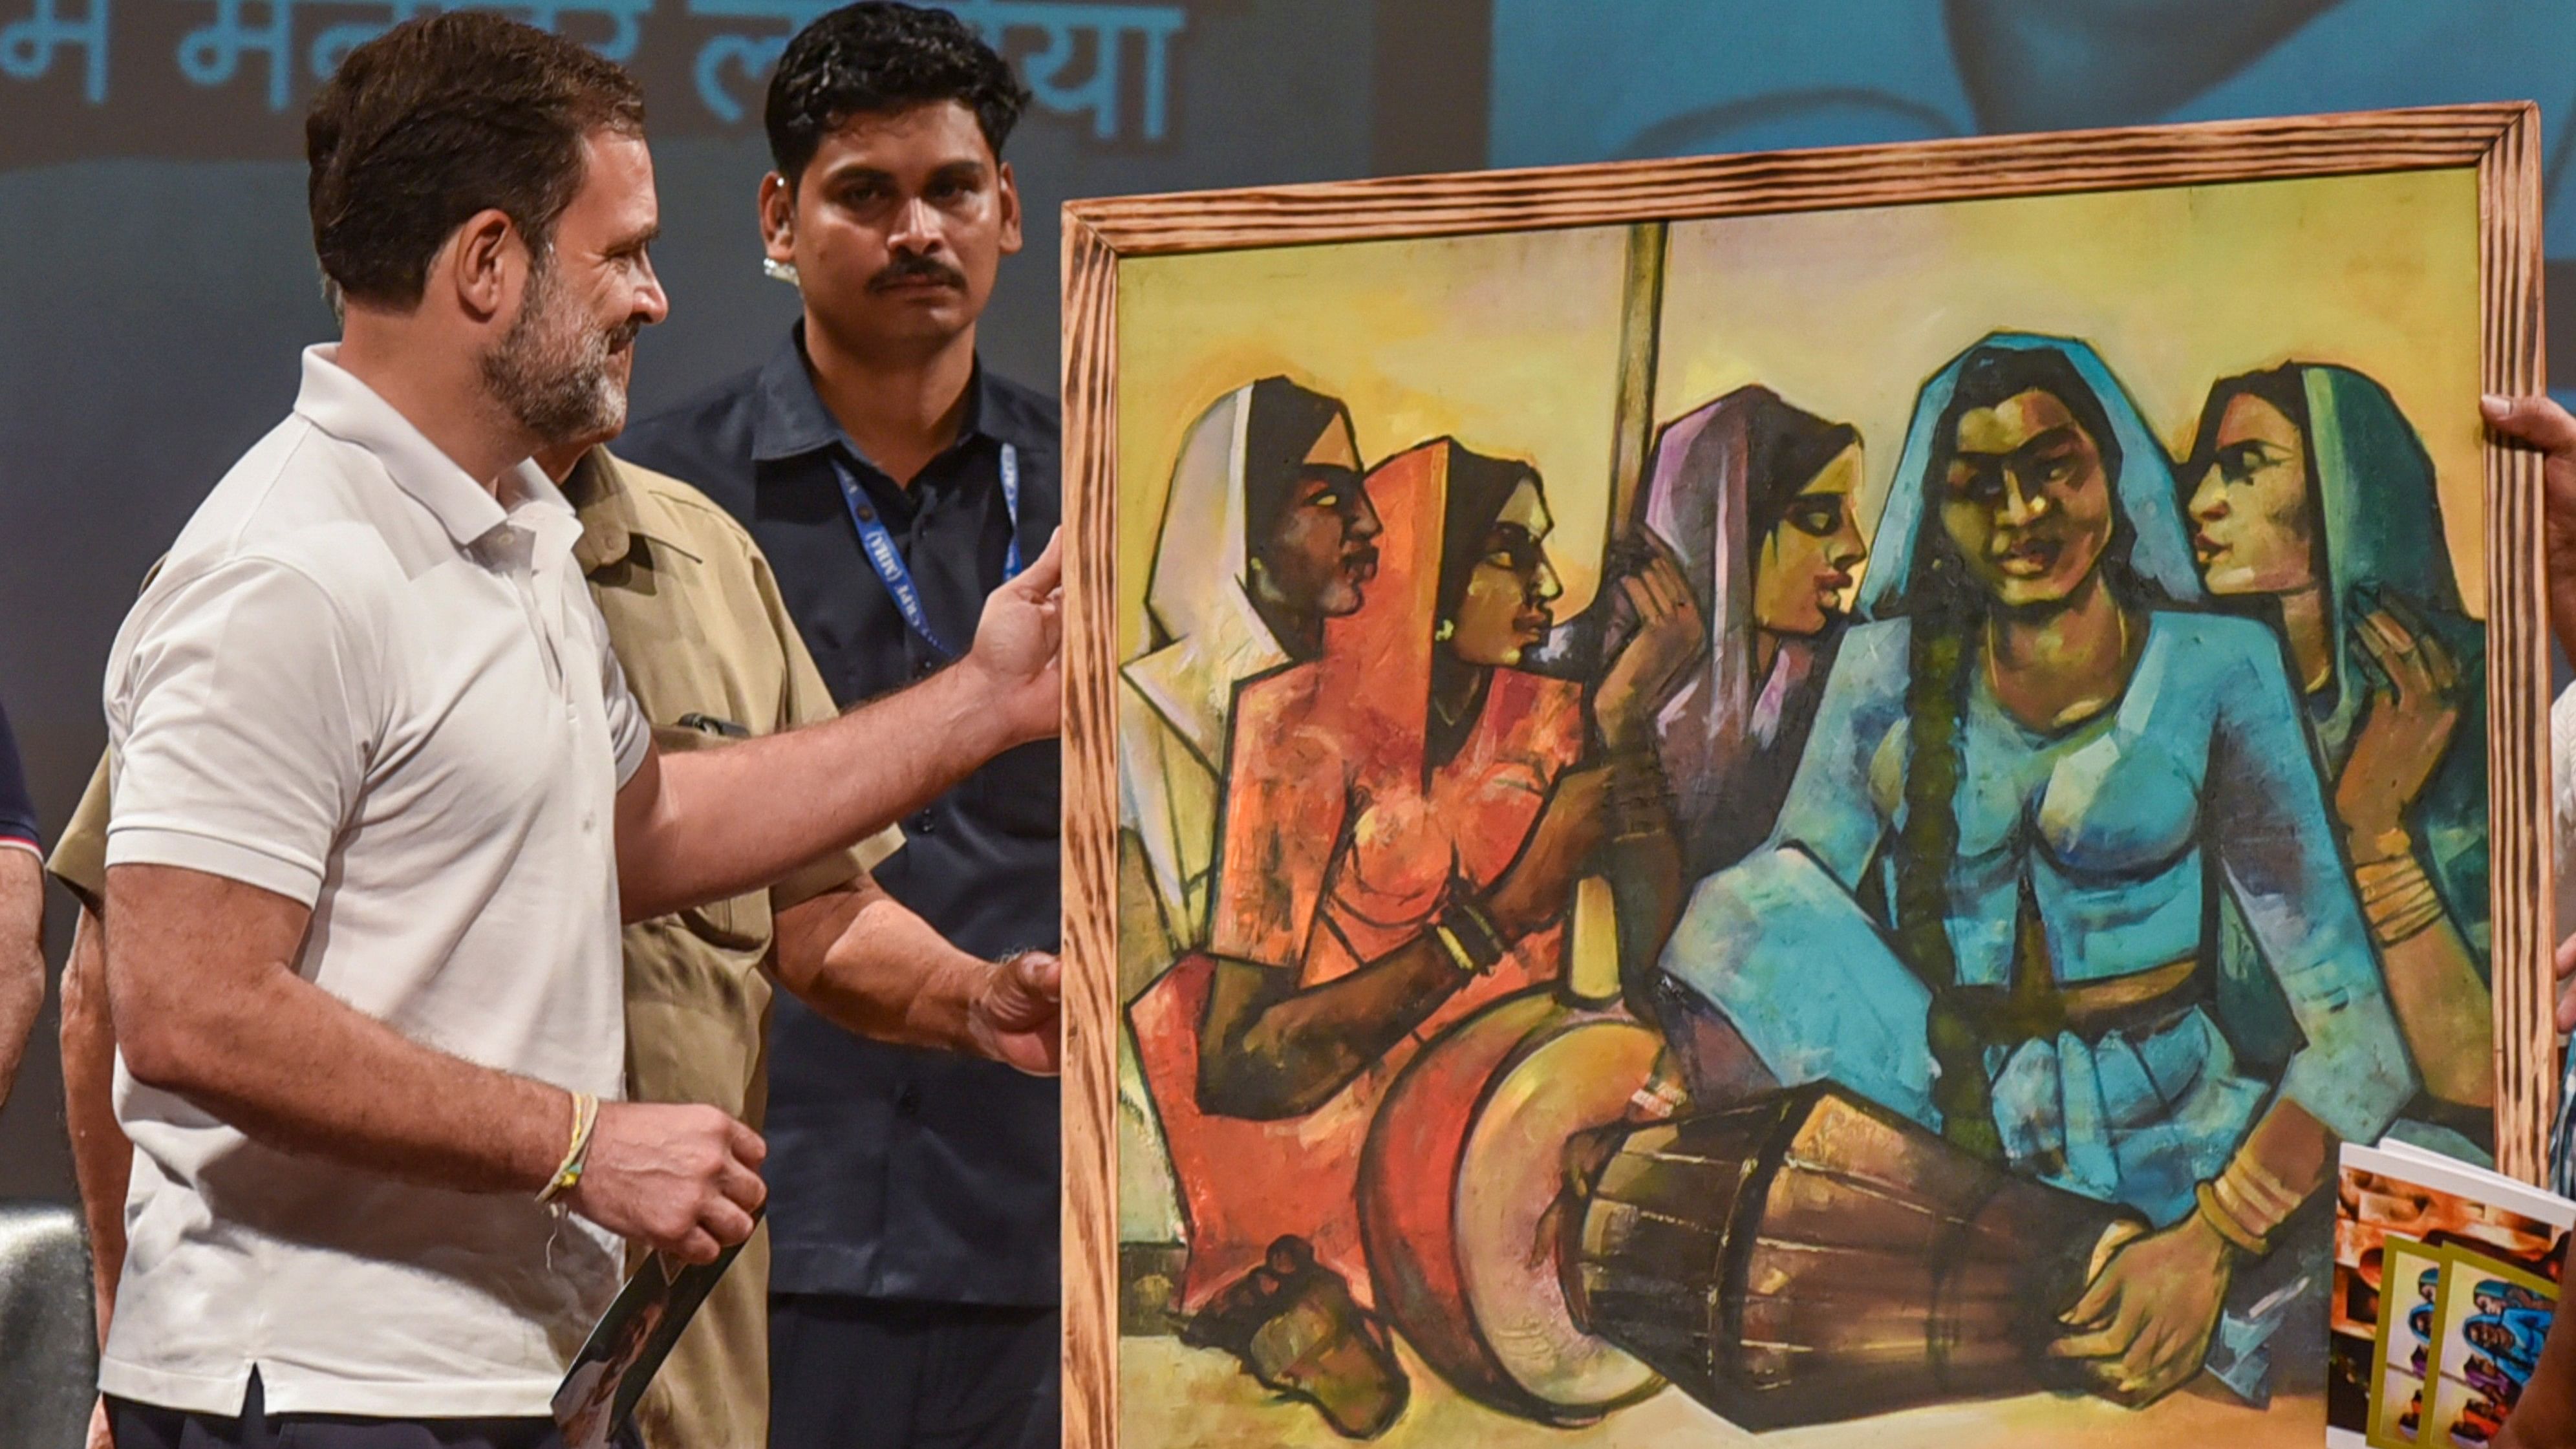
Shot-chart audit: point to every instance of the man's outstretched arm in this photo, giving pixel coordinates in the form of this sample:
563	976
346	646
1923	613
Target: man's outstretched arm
869	965
703	825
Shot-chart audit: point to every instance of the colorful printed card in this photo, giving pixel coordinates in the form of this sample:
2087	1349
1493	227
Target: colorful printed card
2396	1205
2487	1331
2411	1278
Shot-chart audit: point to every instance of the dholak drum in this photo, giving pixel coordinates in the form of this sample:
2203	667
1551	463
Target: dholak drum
1810	1256
1463	1165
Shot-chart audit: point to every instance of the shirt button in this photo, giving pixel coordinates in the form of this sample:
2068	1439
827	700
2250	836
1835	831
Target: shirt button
922	823
908	1100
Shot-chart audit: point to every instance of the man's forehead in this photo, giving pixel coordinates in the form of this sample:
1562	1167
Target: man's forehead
616	183
924	136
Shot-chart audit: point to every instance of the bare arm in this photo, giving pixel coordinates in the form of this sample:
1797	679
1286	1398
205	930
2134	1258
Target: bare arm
102	1158
201	979
22	956
2545	1418
708	824
872	967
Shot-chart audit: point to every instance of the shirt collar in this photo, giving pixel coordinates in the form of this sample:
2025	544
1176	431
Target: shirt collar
614	513
792	421
339	404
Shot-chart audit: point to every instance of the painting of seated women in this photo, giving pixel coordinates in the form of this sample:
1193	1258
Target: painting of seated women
1987	903
1406	815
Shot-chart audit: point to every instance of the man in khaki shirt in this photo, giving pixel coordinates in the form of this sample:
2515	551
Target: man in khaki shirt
710	653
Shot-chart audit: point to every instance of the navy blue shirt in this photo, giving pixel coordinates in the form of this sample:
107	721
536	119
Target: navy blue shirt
895	1172
17	811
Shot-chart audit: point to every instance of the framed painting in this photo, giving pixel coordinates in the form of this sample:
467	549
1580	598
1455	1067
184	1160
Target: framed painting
1791	797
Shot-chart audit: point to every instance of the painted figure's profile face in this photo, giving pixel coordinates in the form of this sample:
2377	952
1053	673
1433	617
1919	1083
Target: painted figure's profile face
2026	501
1803	570
897	227
1321	553
1504	611
2253	531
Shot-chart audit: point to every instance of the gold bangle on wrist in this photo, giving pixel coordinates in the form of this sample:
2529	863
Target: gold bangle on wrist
2225	1224
2397	898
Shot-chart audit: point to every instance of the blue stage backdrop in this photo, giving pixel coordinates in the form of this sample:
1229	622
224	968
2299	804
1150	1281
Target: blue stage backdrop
156	276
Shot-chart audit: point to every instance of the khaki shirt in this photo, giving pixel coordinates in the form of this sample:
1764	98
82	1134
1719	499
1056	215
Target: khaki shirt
709	650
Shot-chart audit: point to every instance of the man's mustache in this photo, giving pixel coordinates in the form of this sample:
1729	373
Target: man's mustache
917	269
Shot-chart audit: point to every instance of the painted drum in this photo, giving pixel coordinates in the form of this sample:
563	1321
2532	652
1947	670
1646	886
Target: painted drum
1808	1256
1459	1186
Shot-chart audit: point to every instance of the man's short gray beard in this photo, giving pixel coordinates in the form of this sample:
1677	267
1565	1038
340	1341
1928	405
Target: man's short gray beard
558	387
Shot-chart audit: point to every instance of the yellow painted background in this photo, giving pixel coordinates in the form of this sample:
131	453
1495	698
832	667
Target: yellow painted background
1508	342
1845	313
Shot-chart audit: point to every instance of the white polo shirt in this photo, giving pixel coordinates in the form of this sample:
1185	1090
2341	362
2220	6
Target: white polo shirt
359	683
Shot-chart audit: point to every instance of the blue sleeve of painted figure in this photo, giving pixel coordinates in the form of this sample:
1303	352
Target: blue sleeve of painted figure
1830	812
2276	848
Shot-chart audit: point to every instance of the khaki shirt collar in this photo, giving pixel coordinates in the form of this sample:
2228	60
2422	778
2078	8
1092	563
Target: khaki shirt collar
615	513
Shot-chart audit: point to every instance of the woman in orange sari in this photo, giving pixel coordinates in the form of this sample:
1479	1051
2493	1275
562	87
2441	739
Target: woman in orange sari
1406	817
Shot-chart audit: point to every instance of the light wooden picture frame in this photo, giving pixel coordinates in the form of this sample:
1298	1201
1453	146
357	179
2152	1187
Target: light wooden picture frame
1565	361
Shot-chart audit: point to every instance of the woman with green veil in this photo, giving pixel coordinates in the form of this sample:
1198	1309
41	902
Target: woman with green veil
2312	504
1988	903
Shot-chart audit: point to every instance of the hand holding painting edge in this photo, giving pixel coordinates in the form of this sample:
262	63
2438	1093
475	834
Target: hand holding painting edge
1019	648
2539	422
1016	1014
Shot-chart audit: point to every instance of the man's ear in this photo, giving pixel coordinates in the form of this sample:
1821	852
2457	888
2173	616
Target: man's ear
778	218
1010	193
482	264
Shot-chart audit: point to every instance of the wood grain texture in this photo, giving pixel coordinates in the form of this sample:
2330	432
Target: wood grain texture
1091	1014
1465	203
2520	841
2501	141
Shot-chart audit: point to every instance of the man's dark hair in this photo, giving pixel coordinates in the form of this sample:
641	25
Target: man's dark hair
443	117
877	57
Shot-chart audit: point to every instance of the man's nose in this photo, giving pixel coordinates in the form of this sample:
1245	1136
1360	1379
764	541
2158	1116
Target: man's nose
651	302
916	228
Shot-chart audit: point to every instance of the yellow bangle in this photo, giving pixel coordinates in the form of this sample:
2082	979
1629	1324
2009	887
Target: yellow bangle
585	1116
2225	1223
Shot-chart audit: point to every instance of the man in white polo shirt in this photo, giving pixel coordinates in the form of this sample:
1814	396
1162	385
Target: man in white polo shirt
382	798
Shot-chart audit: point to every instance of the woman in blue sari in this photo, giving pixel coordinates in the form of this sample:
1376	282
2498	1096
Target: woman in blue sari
2314	507
1989	903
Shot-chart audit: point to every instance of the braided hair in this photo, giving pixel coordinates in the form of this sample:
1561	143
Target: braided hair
1948	611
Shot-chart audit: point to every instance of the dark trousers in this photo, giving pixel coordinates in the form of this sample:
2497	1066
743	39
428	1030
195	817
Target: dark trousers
865	1373
149	1426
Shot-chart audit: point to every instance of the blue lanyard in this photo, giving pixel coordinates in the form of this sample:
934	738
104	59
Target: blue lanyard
878	544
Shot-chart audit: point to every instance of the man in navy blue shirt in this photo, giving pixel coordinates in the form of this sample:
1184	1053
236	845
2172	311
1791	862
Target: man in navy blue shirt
22	912
893	483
